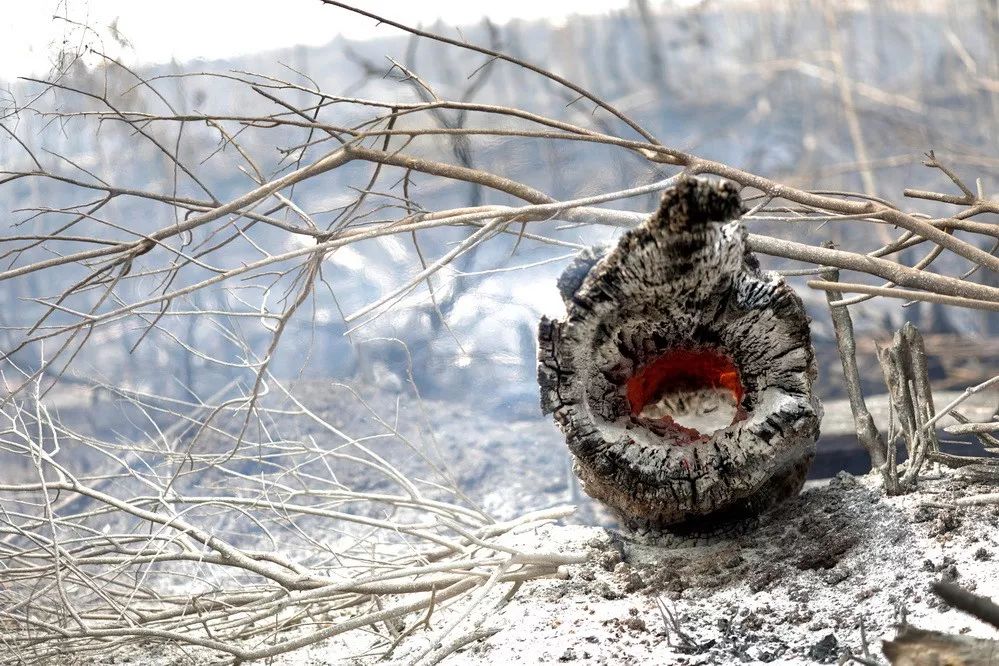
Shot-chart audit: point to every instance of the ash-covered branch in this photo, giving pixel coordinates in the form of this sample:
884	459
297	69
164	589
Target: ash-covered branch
867	431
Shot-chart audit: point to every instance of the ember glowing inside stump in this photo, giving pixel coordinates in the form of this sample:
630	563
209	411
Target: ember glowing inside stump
682	375
697	389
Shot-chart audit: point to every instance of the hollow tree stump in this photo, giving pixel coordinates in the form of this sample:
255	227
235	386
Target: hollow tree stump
682	375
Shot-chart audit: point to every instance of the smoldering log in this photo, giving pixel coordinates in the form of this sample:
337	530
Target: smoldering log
682	374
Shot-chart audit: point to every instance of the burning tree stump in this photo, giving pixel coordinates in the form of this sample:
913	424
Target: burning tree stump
682	375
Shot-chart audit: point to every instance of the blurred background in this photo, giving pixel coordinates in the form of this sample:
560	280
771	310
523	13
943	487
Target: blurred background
831	96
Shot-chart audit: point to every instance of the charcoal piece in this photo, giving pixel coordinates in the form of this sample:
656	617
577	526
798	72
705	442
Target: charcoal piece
681	374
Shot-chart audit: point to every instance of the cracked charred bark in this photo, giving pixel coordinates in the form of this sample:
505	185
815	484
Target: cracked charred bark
677	310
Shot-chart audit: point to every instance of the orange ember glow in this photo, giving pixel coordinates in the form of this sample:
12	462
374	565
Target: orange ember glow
682	370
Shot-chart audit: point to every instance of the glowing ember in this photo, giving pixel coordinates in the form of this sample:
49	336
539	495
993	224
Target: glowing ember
696	389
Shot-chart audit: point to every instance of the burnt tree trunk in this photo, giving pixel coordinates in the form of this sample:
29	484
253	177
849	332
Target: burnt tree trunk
682	375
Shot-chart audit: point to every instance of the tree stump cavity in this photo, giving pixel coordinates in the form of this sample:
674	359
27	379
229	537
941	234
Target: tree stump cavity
682	375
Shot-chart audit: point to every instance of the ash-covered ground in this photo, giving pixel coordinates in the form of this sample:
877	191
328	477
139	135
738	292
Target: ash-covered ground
795	589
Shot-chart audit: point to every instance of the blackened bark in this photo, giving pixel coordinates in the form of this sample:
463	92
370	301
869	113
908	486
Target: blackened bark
683	280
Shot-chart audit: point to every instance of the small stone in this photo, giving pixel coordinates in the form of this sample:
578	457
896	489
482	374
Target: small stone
825	650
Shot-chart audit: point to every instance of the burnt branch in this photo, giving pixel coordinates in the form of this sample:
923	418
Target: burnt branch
904	366
867	431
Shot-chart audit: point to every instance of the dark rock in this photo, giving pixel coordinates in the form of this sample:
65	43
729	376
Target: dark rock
825	650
